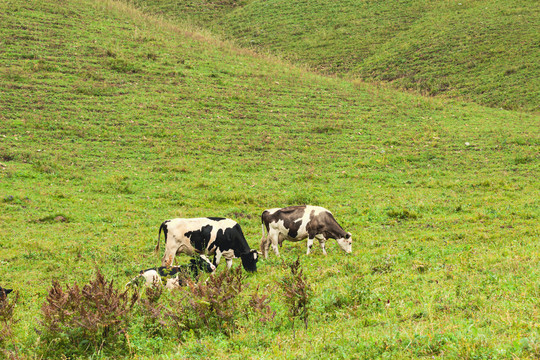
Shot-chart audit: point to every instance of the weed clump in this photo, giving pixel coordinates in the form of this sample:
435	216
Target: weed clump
260	307
403	214
149	317
7	305
78	321
210	305
297	293
384	267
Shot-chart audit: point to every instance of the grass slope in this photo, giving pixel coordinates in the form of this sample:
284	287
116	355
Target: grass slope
115	121
482	51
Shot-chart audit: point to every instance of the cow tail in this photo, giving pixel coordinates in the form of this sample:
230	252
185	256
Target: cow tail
262	231
263	237
158	238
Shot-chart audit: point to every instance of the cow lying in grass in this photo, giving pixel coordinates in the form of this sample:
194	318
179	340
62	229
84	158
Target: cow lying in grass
295	223
173	276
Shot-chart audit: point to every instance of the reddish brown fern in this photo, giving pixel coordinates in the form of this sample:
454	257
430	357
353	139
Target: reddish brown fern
7	306
96	315
210	304
297	293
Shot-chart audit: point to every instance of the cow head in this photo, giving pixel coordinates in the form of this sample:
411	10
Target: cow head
346	242
249	260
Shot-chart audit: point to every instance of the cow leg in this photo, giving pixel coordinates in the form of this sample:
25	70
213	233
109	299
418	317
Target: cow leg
268	243
274	239
227	254
265	243
322	242
281	239
217	258
170	252
323	246
309	245
275	247
265	246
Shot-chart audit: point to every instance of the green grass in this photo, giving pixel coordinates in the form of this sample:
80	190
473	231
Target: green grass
114	121
481	51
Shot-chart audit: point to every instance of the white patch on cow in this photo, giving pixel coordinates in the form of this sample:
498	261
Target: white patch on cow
151	277
205	258
346	243
172	283
228	255
271	211
318	209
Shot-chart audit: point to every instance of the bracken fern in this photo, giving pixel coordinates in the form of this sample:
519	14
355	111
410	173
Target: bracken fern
80	321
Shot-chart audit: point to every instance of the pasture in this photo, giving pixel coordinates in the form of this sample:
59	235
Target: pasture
113	120
481	51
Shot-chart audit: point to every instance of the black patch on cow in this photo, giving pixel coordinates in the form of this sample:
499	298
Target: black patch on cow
4	291
200	263
289	215
200	238
216	218
232	238
165	230
325	224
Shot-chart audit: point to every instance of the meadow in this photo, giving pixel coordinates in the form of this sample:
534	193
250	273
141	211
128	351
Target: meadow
113	119
479	51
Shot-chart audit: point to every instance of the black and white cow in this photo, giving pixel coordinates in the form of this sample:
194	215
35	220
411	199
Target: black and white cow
4	292
295	223
212	235
174	276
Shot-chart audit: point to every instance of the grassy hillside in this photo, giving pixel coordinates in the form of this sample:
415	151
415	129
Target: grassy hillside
112	121
482	51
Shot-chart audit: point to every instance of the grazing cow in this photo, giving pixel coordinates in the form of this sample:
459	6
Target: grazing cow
174	276
212	235
295	223
4	292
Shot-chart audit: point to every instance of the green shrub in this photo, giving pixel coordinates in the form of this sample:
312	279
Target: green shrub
402	214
